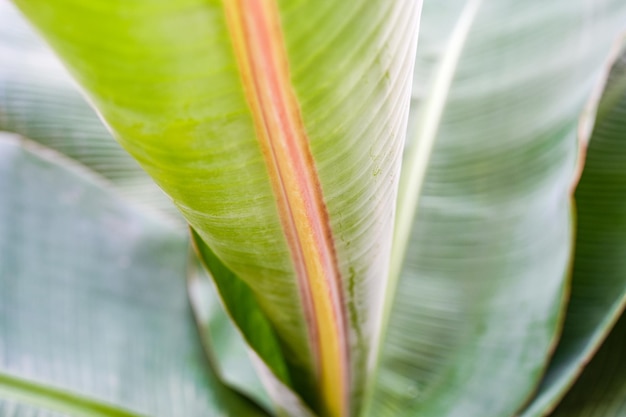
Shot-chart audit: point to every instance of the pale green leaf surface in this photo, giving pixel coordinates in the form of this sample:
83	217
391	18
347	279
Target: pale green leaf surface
94	317
15	409
598	294
39	100
163	75
480	296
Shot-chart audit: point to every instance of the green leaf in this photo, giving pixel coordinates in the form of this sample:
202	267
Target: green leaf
12	408
601	389
254	330
242	307
94	318
224	339
308	230
483	274
598	294
39	100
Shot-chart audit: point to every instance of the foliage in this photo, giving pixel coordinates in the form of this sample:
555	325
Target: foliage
277	129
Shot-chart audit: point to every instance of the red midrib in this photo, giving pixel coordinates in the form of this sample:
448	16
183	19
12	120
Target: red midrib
255	29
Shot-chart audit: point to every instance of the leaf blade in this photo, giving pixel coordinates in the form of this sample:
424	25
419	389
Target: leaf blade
38	100
71	324
598	295
600	391
258	44
493	229
15	388
195	134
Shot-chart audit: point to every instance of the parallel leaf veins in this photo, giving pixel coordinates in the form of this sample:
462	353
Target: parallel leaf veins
255	29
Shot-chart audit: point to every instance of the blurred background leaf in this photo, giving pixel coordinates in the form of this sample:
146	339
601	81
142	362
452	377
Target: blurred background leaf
480	298
225	340
93	307
601	389
39	100
598	294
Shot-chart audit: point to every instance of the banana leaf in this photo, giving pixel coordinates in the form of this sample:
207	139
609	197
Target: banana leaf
295	197
601	389
483	248
277	127
39	100
598	294
94	315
